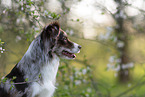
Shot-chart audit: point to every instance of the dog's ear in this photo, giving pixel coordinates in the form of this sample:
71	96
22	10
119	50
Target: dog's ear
51	31
49	35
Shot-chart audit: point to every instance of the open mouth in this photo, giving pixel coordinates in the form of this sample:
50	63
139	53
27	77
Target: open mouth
68	54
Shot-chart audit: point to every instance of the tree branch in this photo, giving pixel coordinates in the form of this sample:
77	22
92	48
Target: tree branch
141	10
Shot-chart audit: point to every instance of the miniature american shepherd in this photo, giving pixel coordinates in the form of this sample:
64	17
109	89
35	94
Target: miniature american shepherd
35	74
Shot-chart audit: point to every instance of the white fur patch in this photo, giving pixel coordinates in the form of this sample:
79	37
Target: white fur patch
48	73
75	49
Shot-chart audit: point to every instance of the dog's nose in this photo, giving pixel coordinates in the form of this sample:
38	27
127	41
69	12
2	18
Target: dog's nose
79	47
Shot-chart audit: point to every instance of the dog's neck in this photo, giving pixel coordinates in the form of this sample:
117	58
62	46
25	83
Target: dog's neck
37	64
49	70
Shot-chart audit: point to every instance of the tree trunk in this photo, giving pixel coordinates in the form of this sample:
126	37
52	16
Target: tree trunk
122	43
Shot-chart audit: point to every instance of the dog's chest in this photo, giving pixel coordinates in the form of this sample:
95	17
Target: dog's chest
47	87
49	71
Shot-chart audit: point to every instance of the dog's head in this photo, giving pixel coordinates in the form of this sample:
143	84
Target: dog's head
55	41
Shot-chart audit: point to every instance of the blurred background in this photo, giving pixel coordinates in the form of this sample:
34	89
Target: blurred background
111	32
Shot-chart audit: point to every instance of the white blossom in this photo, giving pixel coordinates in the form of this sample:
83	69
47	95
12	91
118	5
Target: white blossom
88	68
131	64
57	84
109	29
66	87
126	66
117	16
4	11
22	8
89	90
49	16
120	44
116	74
2	52
27	6
1	48
114	38
18	37
118	60
71	32
117	68
107	35
112	59
84	71
87	95
109	66
36	29
77	73
121	13
84	81
18	21
23	19
45	12
77	82
101	37
72	78
129	85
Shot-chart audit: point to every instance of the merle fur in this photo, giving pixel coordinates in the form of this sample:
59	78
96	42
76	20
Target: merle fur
31	63
19	78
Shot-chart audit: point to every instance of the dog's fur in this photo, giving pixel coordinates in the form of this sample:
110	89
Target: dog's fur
39	65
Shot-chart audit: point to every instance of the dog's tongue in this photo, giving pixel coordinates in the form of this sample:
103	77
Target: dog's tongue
71	55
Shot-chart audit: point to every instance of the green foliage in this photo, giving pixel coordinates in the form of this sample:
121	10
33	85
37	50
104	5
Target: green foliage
78	20
1	47
14	77
27	14
26	18
4	80
12	86
75	82
26	80
102	13
39	76
1	42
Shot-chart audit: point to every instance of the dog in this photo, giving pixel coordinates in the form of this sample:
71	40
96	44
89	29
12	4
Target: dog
35	74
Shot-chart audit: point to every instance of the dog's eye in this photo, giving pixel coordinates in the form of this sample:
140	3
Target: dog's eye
65	38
